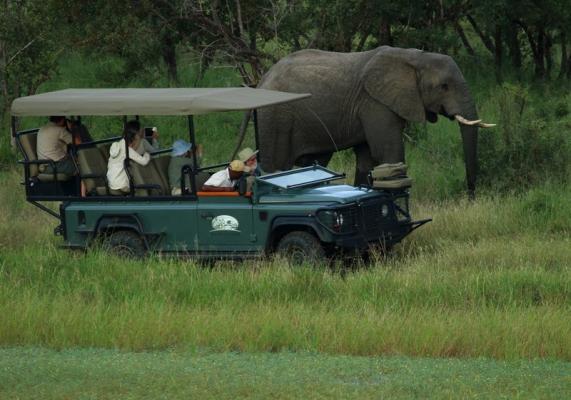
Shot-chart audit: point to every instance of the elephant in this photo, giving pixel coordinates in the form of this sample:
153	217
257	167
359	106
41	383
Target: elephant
362	101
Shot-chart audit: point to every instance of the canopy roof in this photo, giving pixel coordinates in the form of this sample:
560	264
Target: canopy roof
179	101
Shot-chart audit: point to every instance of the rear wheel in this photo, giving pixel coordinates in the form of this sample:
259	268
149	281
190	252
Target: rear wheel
128	244
300	247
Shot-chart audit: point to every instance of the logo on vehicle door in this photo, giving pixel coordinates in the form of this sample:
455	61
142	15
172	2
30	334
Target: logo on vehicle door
225	223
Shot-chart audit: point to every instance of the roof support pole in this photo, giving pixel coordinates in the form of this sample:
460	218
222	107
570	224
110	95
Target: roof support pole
256	131
193	152
13	123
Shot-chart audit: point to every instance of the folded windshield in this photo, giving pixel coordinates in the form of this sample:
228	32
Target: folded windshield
301	177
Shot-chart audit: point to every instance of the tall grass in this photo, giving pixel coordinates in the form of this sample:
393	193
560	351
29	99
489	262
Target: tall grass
490	278
485	278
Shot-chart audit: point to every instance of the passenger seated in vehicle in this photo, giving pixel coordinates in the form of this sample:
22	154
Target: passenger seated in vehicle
181	155
249	158
117	178
227	179
52	142
147	144
79	132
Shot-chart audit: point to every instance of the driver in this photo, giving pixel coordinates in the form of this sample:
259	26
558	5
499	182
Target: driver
227	179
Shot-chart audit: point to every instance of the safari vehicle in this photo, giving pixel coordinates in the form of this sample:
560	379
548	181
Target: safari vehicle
301	213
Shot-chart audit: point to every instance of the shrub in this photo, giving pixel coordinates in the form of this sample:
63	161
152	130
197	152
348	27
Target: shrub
528	145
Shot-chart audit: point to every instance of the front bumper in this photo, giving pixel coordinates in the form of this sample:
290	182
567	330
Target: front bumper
387	236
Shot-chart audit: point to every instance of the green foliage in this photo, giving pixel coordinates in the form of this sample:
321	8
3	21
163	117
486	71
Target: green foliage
29	49
530	144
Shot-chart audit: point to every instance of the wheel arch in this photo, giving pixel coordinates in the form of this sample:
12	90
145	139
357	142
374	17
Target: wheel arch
107	224
281	226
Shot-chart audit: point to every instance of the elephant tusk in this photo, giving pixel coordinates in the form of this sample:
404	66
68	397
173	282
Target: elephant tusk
464	121
484	125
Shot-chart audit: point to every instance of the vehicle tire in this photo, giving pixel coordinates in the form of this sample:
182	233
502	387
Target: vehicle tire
124	243
300	247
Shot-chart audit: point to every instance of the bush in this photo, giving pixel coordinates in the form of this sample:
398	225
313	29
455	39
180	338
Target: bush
529	145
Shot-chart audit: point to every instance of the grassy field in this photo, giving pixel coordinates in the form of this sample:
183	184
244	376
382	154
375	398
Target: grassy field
107	374
490	278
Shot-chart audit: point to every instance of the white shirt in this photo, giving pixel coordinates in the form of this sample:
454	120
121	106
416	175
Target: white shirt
116	176
220	179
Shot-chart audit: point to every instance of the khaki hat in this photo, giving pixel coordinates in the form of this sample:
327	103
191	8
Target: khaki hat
238	166
246	154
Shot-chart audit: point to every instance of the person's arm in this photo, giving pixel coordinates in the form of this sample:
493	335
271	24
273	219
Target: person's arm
208	188
65	136
149	148
139	159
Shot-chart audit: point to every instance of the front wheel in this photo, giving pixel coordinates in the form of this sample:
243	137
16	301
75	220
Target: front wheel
127	244
300	247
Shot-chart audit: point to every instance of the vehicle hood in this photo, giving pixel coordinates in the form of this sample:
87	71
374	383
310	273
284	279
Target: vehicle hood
342	194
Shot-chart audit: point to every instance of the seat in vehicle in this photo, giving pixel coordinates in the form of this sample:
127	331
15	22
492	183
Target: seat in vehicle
148	180
28	142
93	170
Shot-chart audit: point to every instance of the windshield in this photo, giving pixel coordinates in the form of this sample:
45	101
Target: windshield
301	177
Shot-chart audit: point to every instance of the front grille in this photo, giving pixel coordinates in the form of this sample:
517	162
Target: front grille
371	217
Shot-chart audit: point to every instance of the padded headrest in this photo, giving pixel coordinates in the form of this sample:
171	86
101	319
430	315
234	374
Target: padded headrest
28	142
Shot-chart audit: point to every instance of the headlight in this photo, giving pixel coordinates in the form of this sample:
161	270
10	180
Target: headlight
337	221
385	210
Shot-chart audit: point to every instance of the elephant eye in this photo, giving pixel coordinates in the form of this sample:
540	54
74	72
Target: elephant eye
444	87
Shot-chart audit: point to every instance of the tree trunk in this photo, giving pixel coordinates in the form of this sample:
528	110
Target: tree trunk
563	68
485	39
548	46
464	39
540	54
514	49
385	37
169	57
498	50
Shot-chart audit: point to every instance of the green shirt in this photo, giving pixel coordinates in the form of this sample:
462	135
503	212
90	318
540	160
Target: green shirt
175	167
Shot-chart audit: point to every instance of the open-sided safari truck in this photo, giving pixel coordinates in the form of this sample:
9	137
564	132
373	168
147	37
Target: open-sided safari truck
300	213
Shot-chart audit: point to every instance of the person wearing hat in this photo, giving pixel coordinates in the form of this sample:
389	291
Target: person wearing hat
249	158
181	155
227	179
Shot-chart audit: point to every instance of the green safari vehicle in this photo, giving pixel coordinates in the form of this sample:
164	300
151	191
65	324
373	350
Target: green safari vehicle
303	214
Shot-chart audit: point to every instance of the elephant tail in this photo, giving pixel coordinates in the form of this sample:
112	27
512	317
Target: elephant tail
243	128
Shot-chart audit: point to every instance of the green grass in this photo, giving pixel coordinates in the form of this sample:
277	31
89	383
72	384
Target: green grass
490	278
29	373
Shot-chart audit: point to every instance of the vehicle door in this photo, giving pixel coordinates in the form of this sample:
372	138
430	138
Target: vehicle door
225	223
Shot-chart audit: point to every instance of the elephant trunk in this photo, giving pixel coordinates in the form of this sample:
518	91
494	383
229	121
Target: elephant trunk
470	144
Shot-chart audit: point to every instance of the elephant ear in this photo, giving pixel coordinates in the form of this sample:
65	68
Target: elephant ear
390	78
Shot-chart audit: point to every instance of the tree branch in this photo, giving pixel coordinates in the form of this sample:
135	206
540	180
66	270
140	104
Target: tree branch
485	39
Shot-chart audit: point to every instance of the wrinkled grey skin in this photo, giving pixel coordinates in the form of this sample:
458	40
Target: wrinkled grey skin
361	101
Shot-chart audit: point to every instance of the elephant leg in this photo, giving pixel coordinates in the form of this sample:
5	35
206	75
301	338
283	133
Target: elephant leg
309	159
383	133
365	163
